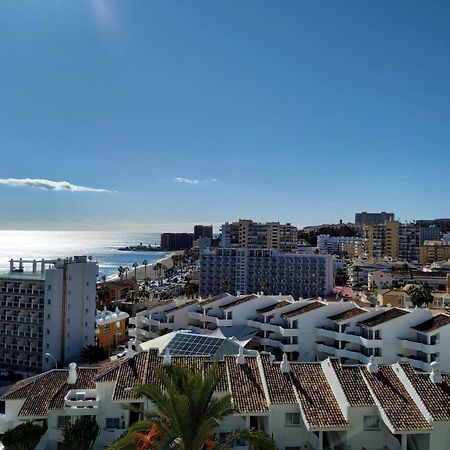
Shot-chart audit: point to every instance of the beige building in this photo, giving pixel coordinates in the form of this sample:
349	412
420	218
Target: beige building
393	239
254	235
434	251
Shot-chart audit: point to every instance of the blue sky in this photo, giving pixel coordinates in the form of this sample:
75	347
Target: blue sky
298	111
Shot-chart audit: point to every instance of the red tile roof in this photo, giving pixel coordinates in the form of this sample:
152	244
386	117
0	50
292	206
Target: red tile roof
303	309
436	322
385	316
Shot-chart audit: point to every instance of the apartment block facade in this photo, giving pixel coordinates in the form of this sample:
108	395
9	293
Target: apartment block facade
251	270
176	241
46	306
254	235
393	240
310	330
434	251
336	245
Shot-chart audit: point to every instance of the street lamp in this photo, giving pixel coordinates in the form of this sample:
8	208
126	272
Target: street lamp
49	355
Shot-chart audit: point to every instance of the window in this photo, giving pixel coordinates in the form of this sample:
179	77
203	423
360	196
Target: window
292	419
48	331
49	287
434	339
48	316
63	421
112	422
377	334
371	423
49	301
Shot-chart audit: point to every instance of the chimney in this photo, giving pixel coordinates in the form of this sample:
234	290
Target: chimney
285	366
240	358
130	351
435	375
72	377
372	367
167	359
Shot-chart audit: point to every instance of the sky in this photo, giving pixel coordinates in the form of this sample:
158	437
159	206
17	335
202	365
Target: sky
157	114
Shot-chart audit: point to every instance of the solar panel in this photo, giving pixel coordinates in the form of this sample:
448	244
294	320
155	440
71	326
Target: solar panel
193	344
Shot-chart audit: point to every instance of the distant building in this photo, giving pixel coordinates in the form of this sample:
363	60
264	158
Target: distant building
203	231
254	270
431	233
394	240
110	328
49	308
254	235
434	251
366	218
176	241
337	245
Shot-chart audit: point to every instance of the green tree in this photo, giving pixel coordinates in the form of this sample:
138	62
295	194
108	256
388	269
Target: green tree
188	415
93	354
421	294
135	265
81	434
225	285
145	264
25	436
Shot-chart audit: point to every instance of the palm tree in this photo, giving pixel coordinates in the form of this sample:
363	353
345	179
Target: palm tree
82	434
132	296
225	285
121	271
25	436
135	266
188	415
145	264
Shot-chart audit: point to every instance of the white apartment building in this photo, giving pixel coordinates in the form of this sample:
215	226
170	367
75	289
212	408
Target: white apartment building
246	271
46	306
334	244
321	405
310	330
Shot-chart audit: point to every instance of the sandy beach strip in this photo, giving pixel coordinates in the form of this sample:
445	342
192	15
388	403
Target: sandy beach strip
151	274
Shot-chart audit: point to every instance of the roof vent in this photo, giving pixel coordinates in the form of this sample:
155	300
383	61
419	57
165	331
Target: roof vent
240	358
167	360
130	351
372	367
72	378
285	366
435	375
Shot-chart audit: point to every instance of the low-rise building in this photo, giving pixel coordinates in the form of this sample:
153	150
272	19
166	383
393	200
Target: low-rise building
309	330
111	329
318	406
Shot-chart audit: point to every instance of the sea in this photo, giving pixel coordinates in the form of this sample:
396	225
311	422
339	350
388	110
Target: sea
101	245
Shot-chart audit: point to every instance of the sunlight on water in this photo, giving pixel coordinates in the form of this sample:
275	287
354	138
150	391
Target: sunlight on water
101	245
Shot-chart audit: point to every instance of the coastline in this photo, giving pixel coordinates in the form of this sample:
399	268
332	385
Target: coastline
151	274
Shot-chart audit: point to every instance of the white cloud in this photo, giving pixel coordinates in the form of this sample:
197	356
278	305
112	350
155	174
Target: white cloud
194	181
186	180
48	185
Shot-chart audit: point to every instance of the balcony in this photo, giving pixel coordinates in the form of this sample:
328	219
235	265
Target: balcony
415	362
81	399
418	346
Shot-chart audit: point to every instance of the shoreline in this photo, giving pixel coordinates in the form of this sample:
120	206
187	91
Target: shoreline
151	274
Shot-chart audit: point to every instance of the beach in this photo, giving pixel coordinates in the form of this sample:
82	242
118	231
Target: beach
141	272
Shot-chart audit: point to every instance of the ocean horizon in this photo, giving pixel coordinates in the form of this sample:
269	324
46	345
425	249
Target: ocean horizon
101	245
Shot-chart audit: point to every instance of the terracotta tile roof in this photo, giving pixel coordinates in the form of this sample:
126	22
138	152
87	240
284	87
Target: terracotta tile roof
352	382
131	373
303	309
239	301
347	314
385	316
156	305
108	371
20	390
246	385
393	399
46	387
433	324
85	380
274	306
435	397
317	402
216	298
177	308
279	385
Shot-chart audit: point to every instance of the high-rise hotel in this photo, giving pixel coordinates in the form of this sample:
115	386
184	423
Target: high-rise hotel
47	312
